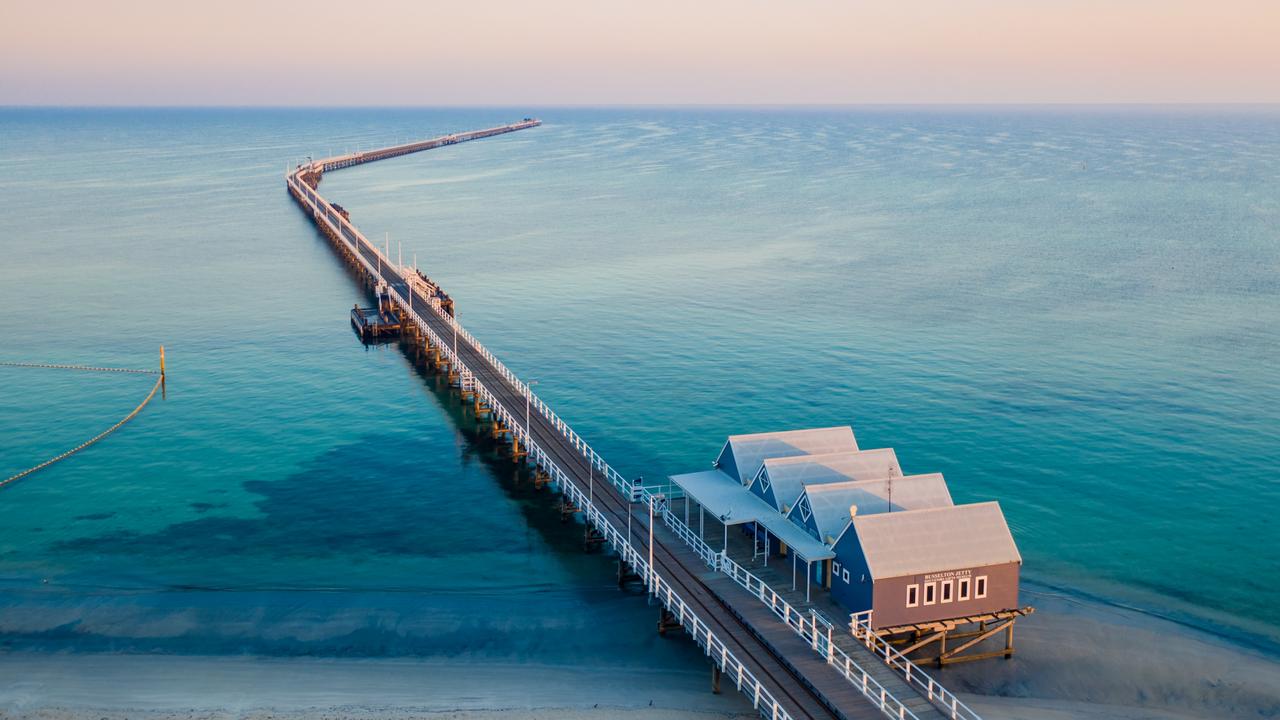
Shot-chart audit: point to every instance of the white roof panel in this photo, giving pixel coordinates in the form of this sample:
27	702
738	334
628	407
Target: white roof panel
915	542
788	476
743	455
830	503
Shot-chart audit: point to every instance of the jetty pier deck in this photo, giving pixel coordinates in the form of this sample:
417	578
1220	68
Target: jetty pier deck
783	660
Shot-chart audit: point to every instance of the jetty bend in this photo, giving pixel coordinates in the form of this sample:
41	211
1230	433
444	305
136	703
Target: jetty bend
789	663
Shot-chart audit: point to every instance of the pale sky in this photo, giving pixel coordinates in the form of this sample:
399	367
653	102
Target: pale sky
608	52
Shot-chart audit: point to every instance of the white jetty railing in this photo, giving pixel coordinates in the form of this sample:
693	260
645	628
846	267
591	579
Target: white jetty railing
714	648
818	632
355	238
860	627
815	631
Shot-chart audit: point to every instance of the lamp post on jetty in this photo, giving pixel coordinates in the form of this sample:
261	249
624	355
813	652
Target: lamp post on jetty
652	576
528	392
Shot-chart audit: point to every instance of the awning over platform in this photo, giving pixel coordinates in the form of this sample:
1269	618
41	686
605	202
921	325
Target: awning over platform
731	503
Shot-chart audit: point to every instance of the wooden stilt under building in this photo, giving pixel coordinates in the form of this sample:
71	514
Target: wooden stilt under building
933	642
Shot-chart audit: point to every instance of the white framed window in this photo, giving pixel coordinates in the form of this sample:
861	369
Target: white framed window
835	567
930	593
945	591
913	595
845	574
980	586
763	478
803	507
962	586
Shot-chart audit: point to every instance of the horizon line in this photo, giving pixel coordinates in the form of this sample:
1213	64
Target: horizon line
606	106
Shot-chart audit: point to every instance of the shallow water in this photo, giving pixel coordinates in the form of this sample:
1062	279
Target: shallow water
1071	311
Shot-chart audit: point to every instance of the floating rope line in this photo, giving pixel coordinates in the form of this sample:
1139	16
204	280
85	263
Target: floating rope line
78	367
104	433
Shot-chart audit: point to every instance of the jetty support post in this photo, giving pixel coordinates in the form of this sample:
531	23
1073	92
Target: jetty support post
667	621
592	539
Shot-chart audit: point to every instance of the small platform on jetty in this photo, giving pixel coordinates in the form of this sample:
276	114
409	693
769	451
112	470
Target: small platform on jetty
373	324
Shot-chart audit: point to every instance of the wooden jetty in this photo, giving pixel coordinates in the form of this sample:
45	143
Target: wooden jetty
783	660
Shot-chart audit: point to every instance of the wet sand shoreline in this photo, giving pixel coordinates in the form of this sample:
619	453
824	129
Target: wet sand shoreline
1075	659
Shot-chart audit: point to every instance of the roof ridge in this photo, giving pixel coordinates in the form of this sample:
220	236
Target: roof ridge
945	508
790	432
828	487
797	459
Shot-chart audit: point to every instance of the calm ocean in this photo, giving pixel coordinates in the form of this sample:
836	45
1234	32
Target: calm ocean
1073	311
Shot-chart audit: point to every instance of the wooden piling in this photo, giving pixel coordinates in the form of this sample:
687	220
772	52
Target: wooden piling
592	539
667	621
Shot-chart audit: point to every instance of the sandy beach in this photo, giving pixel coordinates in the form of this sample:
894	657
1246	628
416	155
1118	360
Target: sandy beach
373	713
1082	658
211	688
1076	659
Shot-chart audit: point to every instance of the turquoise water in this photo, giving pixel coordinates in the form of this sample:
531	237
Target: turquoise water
1073	311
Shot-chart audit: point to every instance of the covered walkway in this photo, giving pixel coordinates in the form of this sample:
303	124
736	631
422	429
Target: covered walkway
728	503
